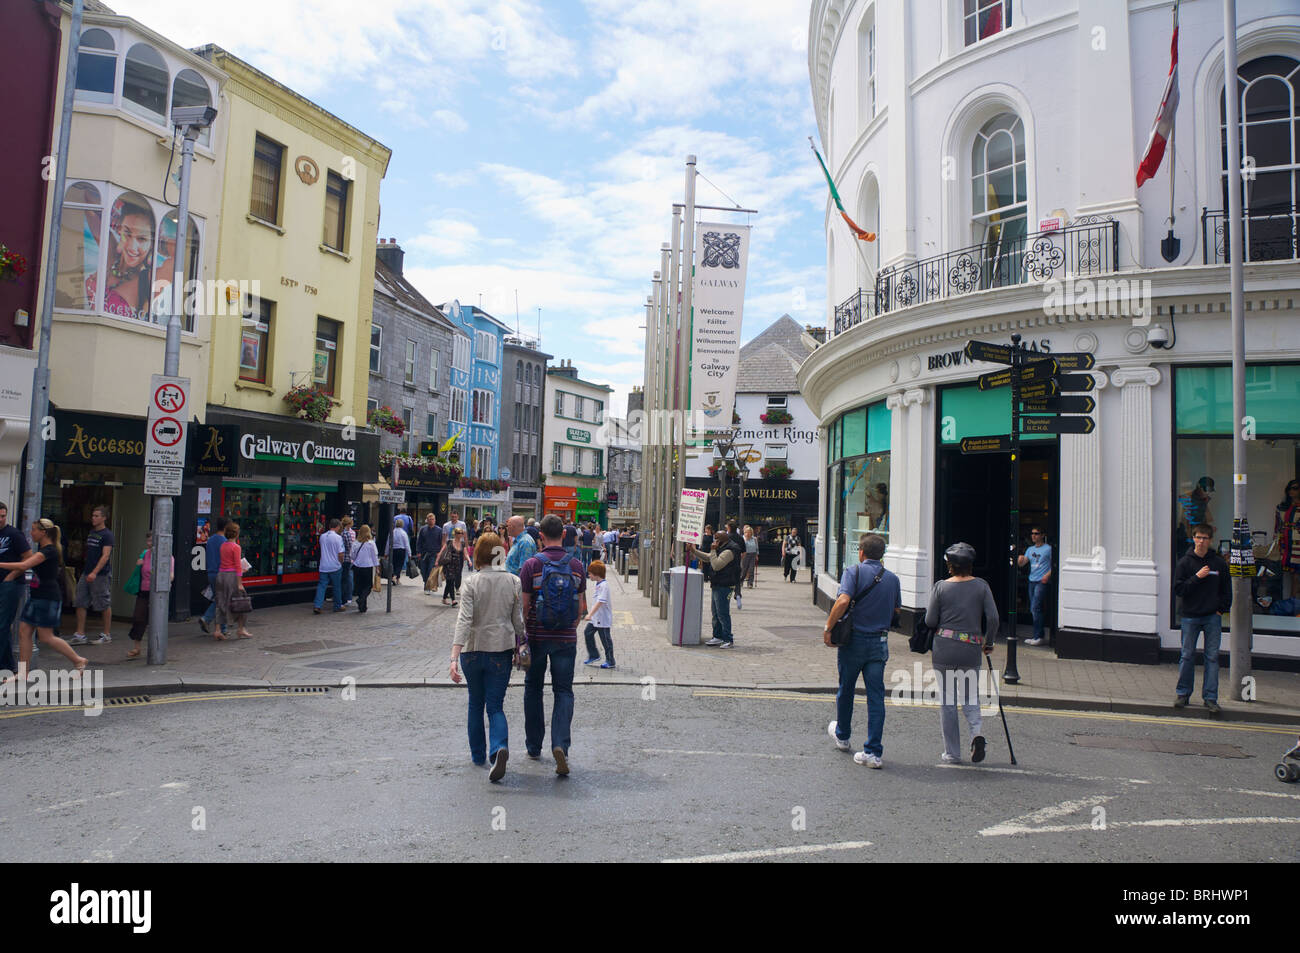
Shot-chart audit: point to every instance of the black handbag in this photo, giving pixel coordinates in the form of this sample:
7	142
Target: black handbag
922	638
241	603
842	631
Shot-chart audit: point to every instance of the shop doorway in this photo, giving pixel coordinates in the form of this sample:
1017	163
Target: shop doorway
972	505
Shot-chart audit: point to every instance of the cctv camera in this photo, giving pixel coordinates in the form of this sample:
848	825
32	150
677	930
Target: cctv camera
1158	337
193	115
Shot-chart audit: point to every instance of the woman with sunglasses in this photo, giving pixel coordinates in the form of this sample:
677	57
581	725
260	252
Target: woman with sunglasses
45	603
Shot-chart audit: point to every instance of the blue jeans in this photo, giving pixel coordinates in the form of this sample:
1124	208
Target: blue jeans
722	613
210	612
1192	626
329	579
563	657
426	565
346	575
865	655
9	595
486	675
1037	593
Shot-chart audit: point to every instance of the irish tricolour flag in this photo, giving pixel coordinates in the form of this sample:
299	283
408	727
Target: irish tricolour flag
858	232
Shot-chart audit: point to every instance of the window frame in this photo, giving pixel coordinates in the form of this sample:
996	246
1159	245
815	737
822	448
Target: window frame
278	180
112	52
435	362
265	309
970	25
323	342
336	186
376	348
412	356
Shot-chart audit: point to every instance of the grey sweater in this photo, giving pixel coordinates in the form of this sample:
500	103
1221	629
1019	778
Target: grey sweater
960	605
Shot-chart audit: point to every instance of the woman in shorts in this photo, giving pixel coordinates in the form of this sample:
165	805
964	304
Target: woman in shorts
45	604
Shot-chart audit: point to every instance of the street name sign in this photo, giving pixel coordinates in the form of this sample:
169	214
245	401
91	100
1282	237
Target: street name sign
1057	425
985	444
1038	371
986	351
1061	405
994	379
1075	361
1076	382
1047	388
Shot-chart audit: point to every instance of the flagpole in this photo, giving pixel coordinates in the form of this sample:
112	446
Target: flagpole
1239	622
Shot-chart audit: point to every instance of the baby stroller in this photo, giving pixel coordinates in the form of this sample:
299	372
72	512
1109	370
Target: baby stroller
1288	769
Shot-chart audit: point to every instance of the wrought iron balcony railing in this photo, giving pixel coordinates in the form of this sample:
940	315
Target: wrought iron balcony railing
1271	233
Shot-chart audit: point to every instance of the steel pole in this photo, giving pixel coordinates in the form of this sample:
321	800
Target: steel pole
647	382
34	478
686	326
1239	622
663	337
672	419
1012	674
163	507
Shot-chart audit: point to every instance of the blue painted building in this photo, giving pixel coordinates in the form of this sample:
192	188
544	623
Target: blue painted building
475	383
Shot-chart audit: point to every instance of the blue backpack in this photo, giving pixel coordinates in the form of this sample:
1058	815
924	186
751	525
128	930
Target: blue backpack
557	596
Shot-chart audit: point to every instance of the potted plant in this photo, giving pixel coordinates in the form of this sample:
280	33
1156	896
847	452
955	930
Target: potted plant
385	419
775	471
774	418
731	469
309	401
436	467
12	264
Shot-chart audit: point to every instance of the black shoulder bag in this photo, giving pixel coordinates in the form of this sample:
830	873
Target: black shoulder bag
842	631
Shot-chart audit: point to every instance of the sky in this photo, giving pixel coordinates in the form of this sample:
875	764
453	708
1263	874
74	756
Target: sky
538	146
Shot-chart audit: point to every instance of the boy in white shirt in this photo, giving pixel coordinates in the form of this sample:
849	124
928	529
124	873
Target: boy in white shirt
600	619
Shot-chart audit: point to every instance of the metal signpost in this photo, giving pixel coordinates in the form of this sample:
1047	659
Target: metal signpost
1036	408
164	468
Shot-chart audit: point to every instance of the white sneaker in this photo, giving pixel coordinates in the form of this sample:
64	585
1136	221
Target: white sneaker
78	639
1034	641
830	730
714	642
870	760
104	639
738	602
946	758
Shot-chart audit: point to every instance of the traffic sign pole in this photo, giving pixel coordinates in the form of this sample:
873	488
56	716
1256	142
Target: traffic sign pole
1011	675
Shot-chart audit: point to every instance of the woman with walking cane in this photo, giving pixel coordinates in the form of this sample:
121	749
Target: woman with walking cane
961	609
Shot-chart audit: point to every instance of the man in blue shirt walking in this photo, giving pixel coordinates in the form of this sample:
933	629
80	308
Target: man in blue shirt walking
1038	558
878	594
212	557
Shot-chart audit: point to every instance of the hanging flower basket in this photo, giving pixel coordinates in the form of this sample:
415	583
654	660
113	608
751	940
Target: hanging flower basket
776	471
776	417
385	419
486	486
12	264
309	402
731	469
429	467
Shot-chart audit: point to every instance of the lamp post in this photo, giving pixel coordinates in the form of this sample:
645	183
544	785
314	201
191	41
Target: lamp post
191	121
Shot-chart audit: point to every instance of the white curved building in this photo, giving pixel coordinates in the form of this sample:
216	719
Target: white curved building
993	146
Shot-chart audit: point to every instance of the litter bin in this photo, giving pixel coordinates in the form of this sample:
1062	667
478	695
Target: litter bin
685	588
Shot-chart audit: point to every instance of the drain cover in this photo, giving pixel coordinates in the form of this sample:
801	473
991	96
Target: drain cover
1162	745
306	689
302	648
127	700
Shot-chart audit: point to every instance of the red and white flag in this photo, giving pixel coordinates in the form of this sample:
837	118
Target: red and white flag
1163	130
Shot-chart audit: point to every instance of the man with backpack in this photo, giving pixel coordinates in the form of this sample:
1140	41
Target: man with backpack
554	589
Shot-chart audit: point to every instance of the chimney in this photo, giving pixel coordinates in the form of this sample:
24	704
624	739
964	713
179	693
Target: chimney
390	254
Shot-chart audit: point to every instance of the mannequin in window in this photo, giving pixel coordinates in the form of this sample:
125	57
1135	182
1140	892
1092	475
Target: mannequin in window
1286	525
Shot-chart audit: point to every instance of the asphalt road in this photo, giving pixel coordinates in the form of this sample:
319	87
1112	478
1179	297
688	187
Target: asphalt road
689	774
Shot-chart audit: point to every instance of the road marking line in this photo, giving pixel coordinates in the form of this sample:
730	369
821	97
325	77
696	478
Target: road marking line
770	852
1037	774
166	700
1295	797
1018	825
1001	829
725	754
1053	712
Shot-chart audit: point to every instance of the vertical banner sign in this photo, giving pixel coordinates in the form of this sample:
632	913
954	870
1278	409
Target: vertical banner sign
721	255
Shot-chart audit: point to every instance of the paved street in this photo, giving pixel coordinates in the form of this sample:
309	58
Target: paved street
778	645
693	773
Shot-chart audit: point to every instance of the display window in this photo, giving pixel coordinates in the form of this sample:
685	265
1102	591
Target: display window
857	481
305	518
256	508
1203	490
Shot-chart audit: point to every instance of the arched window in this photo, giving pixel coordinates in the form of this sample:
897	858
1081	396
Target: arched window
128	277
189	89
83	215
96	67
999	198
867	68
1269	88
144	83
165	268
869	218
519	370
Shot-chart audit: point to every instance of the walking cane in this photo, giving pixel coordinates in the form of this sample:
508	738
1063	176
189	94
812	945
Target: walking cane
989	658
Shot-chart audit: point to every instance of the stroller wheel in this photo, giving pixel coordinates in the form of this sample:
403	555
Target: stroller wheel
1285	772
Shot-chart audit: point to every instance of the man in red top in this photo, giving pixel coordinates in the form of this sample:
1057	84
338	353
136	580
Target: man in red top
553	603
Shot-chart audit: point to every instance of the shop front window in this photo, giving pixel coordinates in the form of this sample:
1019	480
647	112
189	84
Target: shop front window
857	482
1203	480
257	511
305	518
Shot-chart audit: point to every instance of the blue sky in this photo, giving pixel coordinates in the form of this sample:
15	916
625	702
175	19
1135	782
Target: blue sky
538	146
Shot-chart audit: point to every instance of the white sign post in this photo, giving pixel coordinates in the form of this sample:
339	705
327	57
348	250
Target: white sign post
721	256
164	453
691	512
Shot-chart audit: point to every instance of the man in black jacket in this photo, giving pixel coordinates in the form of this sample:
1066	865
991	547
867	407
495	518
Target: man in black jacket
1201	580
721	566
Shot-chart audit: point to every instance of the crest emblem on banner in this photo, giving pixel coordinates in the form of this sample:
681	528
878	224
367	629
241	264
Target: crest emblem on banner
721	250
711	406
